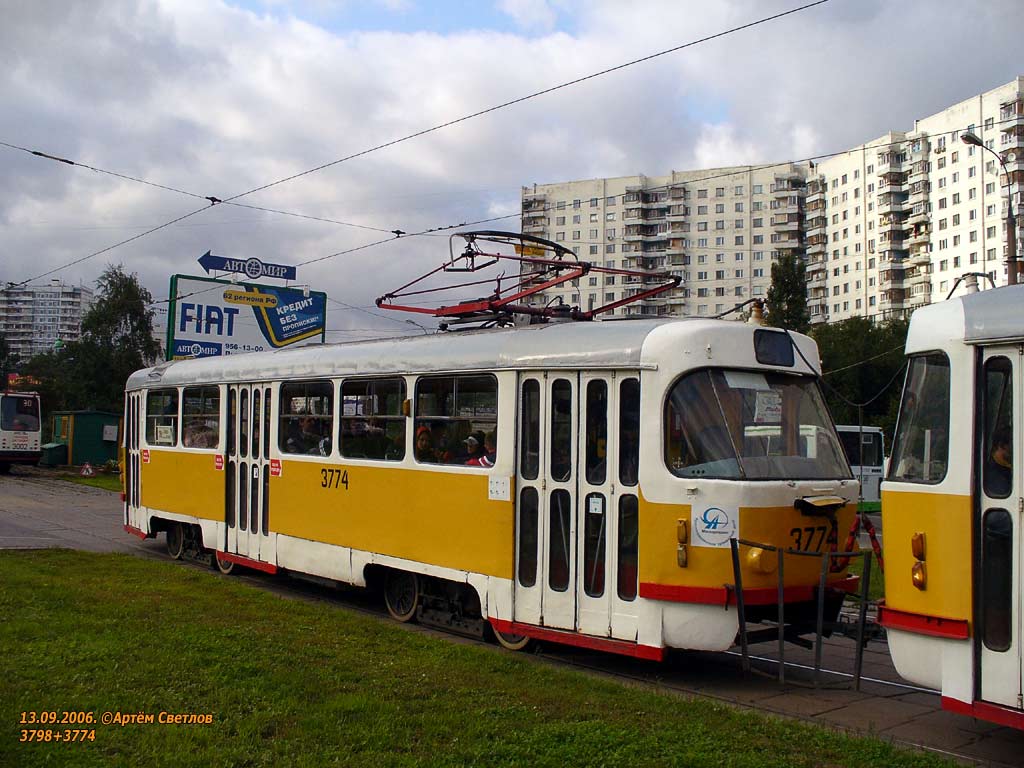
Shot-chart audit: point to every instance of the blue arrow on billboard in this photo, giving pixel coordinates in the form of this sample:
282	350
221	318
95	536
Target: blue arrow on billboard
251	268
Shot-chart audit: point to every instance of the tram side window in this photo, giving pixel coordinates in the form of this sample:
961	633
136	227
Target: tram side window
162	417
457	420
920	450
306	420
997	469
372	424
20	414
200	413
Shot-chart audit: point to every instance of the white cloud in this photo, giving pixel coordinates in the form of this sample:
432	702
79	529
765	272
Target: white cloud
529	14
216	100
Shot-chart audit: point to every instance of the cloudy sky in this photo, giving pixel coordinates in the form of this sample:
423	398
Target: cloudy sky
218	98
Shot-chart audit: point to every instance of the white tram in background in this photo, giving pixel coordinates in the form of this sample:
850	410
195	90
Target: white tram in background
953	501
20	429
576	482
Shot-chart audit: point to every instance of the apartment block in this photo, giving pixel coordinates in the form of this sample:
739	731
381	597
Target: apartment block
718	229
894	222
884	227
34	318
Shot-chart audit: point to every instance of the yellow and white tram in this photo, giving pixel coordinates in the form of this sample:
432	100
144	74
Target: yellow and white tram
577	482
952	507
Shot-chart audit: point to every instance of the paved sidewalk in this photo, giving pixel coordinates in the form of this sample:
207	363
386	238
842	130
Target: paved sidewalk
39	510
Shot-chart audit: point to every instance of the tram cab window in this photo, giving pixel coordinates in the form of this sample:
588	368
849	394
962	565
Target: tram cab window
372	424
456	420
20	414
757	425
162	417
306	421
920	447
200	413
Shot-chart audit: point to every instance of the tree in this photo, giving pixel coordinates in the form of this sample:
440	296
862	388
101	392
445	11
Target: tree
787	295
117	340
8	361
859	360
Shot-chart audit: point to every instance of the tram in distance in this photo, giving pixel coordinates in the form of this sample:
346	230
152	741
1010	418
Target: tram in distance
573	482
953	501
20	429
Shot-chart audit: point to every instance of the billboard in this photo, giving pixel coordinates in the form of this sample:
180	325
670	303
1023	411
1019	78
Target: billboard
208	317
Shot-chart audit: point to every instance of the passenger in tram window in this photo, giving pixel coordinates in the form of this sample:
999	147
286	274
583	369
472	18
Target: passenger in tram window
474	448
439	436
425	446
999	466
489	454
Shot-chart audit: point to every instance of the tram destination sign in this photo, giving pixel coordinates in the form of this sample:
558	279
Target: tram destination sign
252	268
208	317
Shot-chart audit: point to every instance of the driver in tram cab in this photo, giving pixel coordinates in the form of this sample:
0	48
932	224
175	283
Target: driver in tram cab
999	466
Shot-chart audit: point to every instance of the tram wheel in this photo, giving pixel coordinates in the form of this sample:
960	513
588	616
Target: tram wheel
175	541
224	566
510	641
402	595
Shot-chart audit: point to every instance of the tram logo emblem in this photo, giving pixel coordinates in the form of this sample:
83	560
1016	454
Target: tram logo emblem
715	526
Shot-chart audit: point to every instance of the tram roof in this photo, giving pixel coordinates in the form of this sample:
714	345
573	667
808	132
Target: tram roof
975	318
571	345
994	315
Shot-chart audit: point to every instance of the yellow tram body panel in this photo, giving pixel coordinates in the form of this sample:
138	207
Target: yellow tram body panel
945	519
183	482
712	566
441	518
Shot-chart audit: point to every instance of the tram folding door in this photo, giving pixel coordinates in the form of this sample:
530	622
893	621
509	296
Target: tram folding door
576	520
131	469
247	478
1000	491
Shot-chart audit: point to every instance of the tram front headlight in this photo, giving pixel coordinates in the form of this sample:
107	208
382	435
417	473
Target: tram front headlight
762	561
919	576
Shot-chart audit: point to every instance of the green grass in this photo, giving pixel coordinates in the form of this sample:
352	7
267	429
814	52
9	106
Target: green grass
876	589
301	684
106	482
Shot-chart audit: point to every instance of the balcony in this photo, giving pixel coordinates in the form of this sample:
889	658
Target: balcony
1011	115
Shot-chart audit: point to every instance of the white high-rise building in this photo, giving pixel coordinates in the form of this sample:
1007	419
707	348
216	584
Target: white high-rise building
718	229
884	227
893	223
34	318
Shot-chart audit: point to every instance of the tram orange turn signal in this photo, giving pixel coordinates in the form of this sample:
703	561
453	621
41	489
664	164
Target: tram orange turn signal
682	536
917	546
918	575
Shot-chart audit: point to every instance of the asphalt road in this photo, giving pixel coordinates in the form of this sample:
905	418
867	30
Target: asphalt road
38	510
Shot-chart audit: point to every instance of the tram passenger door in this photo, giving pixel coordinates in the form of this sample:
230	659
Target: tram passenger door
248	470
545	585
998	585
607	528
